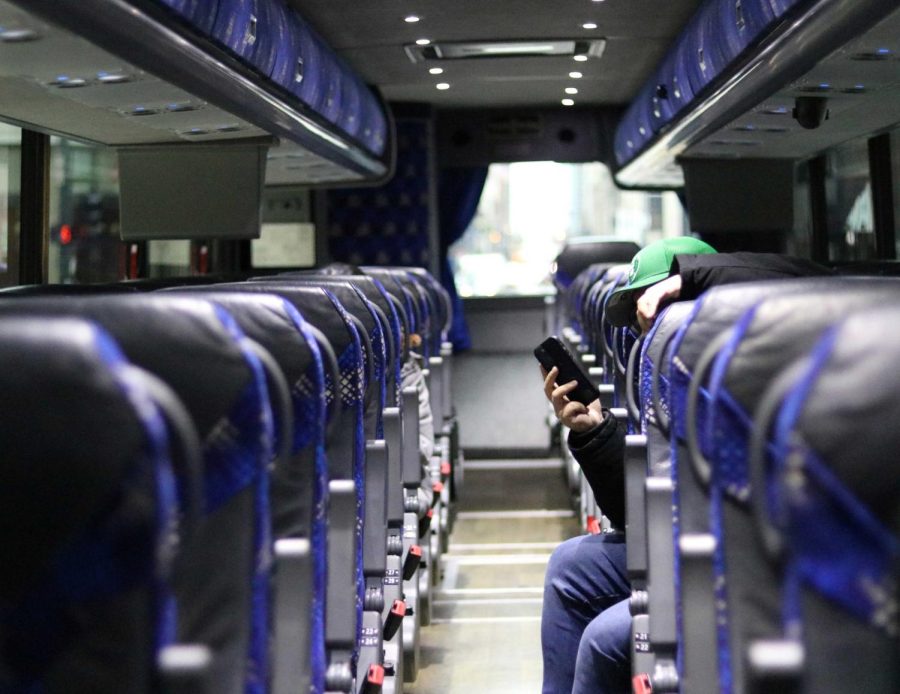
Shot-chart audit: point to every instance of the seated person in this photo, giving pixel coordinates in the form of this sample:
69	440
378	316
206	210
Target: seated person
585	622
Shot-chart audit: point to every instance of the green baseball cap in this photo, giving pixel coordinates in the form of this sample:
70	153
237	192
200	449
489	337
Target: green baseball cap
649	266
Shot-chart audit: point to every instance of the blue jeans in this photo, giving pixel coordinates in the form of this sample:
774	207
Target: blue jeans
585	624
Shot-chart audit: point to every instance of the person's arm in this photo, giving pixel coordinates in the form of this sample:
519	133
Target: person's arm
700	272
601	454
691	275
597	442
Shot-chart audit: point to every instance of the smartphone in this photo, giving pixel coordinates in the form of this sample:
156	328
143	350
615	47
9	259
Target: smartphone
552	352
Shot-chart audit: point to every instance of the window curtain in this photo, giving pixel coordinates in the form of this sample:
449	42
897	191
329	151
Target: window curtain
459	190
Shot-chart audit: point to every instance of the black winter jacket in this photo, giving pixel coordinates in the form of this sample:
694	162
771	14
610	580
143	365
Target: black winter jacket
601	451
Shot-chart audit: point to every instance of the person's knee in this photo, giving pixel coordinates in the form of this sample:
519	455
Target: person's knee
561	563
607	637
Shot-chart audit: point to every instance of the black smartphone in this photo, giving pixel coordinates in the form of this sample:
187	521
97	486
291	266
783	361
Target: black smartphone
552	352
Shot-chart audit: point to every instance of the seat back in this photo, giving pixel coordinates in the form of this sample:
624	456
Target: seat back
201	353
88	512
821	488
773	333
299	480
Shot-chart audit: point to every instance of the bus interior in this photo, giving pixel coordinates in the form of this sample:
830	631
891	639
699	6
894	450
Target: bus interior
272	274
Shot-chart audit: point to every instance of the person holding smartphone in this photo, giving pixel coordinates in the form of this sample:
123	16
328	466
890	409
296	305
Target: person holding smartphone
585	621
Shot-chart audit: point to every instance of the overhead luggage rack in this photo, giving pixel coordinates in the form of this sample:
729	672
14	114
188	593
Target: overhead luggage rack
135	72
736	61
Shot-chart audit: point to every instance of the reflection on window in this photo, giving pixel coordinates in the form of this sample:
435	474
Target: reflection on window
10	161
84	215
529	210
848	195
895	179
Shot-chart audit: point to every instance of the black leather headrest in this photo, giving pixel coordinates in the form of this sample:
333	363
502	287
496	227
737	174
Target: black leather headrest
312	302
184	341
851	413
403	287
69	435
263	318
576	256
366	286
720	307
785	326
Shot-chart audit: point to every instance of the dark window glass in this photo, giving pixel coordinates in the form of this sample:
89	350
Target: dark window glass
10	162
84	215
848	194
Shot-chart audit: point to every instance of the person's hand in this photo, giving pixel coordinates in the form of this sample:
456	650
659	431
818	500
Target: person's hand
649	302
578	417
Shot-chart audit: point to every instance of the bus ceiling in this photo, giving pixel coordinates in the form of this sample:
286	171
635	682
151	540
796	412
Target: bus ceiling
638	85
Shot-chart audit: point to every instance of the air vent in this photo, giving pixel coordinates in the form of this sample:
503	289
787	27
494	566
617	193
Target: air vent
502	127
464	50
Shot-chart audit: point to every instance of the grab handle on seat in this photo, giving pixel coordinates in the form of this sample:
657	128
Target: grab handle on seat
280	395
330	365
768	407
634	410
699	463
189	447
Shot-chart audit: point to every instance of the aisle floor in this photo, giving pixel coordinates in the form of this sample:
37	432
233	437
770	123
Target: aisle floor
485	631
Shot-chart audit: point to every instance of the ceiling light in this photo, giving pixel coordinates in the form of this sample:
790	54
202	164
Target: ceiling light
589	25
17	35
66	82
411	19
112	78
580	58
442	86
571	90
436	71
575	75
423	42
568	102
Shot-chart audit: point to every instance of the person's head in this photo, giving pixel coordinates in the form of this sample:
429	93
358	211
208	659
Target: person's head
650	265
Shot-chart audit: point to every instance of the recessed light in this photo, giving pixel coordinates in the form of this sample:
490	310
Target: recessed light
143	111
568	102
17	35
589	25
180	107
423	42
442	86
66	82
571	90
112	78
575	75
580	58
411	19
436	71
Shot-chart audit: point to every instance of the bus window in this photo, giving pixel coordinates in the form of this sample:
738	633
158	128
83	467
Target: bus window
848	194
10	158
529	210
84	215
895	178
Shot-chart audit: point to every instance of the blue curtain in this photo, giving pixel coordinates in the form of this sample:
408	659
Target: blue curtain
459	190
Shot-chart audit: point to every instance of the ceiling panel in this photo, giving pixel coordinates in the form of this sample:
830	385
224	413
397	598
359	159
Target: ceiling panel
371	36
